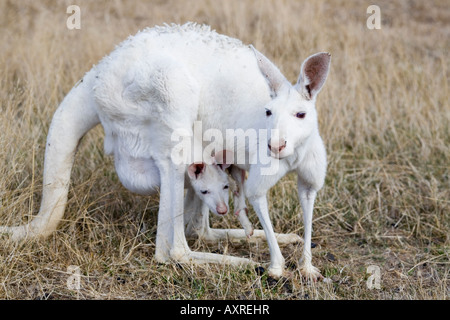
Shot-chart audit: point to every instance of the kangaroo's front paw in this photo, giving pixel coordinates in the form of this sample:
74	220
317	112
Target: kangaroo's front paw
309	272
275	272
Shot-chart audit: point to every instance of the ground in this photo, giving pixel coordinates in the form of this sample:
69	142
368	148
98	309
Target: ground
384	117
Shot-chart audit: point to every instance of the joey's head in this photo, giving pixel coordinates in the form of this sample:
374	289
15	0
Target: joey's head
211	184
291	114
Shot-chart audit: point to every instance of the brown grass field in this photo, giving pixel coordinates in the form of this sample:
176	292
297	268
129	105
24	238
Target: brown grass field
384	116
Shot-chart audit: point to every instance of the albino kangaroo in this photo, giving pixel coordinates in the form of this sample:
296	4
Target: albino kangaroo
162	80
197	220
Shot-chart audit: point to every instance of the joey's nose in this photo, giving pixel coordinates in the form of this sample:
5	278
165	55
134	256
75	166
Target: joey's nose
222	209
277	146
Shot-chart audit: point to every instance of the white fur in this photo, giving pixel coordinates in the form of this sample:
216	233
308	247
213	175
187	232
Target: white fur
165	78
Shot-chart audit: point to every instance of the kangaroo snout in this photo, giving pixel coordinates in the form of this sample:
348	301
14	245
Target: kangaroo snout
277	146
222	208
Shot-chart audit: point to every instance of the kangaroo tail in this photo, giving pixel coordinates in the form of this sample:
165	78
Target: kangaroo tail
75	116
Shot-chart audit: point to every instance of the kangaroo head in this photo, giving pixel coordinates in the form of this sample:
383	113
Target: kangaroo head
291	114
211	184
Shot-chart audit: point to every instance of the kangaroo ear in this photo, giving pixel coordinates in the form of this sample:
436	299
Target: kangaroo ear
224	159
196	170
271	73
313	73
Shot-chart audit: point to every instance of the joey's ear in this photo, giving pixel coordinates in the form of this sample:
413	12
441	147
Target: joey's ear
238	174
224	159
196	170
271	73
313	73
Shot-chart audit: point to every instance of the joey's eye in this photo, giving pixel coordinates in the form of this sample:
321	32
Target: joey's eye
268	112
300	115
204	191
226	187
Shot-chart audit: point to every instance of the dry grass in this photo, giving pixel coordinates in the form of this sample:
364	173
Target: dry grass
384	115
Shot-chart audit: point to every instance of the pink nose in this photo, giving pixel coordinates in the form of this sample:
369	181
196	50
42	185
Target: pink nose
221	209
277	146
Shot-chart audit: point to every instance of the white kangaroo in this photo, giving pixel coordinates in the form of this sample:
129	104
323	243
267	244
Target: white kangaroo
198	224
165	78
197	220
194	220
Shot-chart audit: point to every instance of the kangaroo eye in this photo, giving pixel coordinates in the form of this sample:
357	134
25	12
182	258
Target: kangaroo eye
268	112
226	187
300	115
204	191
